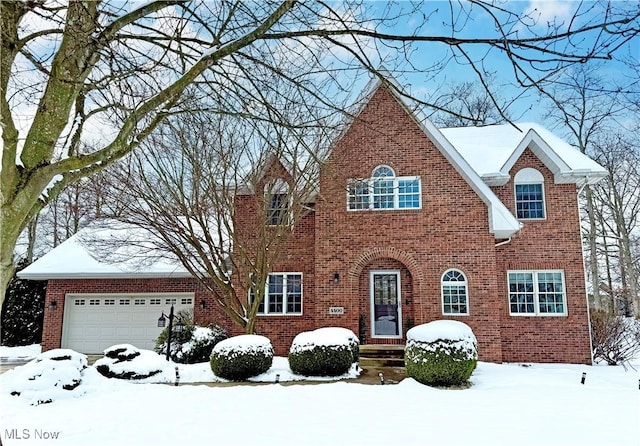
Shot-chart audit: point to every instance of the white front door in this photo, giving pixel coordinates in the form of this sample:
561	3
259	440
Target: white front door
386	311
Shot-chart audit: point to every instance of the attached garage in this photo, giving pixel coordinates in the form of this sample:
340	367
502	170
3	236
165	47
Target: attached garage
93	322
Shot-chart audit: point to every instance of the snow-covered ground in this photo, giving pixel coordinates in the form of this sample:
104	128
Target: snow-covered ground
15	354
507	404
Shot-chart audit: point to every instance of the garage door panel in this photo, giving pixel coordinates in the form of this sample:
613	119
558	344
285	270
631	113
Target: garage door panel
93	323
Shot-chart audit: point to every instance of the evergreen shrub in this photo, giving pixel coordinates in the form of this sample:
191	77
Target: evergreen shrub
441	353
241	357
323	352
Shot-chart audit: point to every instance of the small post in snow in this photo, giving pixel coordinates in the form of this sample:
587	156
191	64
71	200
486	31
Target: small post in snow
177	377
584	377
381	378
277	378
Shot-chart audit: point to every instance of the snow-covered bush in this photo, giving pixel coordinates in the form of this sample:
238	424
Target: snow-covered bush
124	361
442	353
193	344
50	376
615	339
354	342
241	357
323	352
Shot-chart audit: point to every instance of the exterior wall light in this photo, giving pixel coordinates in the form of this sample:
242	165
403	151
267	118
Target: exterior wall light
336	277
53	305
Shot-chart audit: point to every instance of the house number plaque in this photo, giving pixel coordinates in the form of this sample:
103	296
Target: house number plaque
336	310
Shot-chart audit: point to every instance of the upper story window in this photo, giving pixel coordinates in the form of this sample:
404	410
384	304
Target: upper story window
454	293
277	200
283	294
384	190
529	192
536	293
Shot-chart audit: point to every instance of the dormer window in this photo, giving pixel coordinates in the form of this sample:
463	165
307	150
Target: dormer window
278	203
529	193
384	190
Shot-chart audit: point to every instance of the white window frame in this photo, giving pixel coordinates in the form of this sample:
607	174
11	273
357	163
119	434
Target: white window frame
536	293
526	177
285	295
464	283
368	184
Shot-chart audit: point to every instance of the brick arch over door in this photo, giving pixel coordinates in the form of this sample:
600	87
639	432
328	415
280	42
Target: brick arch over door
403	257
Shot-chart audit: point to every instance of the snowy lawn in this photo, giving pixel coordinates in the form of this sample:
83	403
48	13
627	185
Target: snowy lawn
507	404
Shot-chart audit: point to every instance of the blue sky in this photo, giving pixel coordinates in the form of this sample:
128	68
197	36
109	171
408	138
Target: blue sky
479	24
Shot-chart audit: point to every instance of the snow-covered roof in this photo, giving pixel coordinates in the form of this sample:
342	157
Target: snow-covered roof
102	251
493	150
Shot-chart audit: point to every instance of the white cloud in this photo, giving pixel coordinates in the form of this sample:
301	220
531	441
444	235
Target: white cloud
544	12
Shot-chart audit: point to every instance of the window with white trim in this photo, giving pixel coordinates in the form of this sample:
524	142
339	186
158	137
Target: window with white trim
537	293
282	295
384	190
529	194
454	292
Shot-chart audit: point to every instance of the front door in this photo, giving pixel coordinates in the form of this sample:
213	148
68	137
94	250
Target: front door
386	312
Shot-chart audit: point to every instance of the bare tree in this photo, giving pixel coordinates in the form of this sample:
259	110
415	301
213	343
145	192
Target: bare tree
584	105
83	84
618	216
469	104
220	200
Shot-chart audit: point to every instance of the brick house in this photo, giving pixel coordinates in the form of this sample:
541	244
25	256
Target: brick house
410	224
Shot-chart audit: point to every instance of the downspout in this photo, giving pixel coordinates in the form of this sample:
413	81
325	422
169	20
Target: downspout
586	182
504	242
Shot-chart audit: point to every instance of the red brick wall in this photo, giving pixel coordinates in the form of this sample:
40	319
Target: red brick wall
450	231
553	243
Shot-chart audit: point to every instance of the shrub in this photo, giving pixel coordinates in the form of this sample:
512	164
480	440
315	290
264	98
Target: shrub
51	376
124	361
241	357
193	344
441	353
354	342
22	310
323	352
615	339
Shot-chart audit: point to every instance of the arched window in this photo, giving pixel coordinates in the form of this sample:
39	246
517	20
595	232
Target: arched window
383	171
454	293
384	190
529	193
383	187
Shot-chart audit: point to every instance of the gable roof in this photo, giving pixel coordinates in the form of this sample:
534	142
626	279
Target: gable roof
502	223
493	150
125	256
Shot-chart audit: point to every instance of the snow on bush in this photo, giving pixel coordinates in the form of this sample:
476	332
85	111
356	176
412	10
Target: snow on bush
124	361
354	342
241	357
442	353
52	375
193	345
324	352
615	339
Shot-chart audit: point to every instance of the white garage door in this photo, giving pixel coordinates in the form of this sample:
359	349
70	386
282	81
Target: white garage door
94	322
